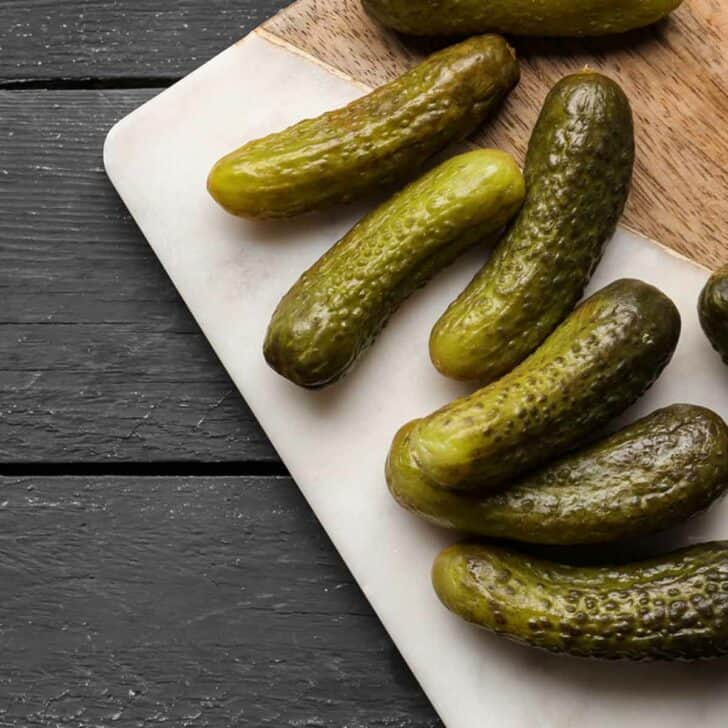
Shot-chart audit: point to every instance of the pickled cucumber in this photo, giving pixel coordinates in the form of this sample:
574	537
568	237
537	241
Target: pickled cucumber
650	476
338	306
713	311
596	364
578	172
380	139
518	17
667	608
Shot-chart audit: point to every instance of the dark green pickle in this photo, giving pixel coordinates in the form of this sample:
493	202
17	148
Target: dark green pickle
518	17
578	172
674	607
338	306
592	367
651	475
380	139
713	311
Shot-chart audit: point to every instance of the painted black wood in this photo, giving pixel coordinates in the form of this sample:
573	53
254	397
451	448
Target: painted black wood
186	602
137	41
99	358
143	600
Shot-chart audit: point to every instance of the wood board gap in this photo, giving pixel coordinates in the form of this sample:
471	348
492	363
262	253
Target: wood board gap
140	469
87	84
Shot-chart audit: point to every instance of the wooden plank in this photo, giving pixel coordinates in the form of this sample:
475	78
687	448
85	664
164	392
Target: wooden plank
99	358
120	39
676	75
200	602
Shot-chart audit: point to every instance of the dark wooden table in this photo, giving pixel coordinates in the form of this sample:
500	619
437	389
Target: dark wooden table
158	567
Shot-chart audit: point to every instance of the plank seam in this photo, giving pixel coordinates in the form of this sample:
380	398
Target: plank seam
88	84
140	469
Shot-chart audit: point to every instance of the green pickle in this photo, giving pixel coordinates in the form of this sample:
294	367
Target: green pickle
592	367
573	18
380	139
339	305
649	476
674	607
713	311
578	172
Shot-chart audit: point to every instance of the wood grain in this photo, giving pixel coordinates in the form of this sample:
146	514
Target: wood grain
186	602
100	361
675	73
131	40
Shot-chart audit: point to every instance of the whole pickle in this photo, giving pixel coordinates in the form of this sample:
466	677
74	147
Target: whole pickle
377	140
518	17
674	607
713	311
338	306
578	172
649	476
596	364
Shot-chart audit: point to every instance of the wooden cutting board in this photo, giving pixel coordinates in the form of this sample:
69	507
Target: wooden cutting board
675	73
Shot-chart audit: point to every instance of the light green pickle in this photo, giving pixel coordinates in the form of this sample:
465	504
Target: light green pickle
578	172
713	311
650	476
338	306
594	366
379	139
674	607
518	17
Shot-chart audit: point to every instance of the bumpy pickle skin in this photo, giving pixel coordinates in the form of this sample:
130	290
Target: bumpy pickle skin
652	475
380	139
559	18
713	311
596	364
339	305
578	172
674	607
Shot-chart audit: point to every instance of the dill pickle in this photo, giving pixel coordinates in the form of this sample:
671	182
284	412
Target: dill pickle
713	311
578	171
339	305
379	139
592	367
650	476
674	607
573	18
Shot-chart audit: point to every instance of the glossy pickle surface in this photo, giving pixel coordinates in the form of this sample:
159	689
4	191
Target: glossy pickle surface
338	306
572	18
380	139
578	172
651	475
713	311
667	608
598	362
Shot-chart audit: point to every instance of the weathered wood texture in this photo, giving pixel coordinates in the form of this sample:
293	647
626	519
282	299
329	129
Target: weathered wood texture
120	39
186	602
99	358
676	75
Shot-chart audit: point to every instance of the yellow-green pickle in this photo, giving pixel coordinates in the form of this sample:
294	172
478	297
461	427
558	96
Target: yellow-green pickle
668	608
597	363
713	311
379	139
578	171
518	17
338	306
651	475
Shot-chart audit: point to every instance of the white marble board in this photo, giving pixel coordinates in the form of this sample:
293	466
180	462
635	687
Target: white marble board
231	273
